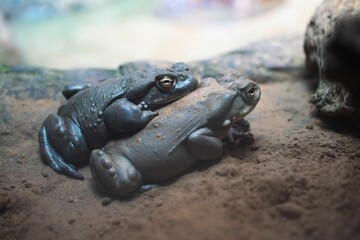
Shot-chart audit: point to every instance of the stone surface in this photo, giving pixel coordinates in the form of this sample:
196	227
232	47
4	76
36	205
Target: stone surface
333	54
262	61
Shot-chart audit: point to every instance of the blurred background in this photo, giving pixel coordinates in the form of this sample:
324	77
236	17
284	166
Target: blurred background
104	33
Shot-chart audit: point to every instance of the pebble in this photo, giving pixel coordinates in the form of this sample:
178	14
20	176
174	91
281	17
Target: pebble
116	222
5	132
106	201
254	148
329	154
71	221
45	172
226	171
4	200
310	127
159	203
290	211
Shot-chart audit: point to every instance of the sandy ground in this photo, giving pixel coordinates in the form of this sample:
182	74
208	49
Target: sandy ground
299	180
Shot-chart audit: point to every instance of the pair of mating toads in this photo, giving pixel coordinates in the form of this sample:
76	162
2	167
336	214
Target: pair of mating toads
113	124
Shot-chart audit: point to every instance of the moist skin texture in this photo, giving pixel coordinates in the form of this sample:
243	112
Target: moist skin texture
95	114
188	130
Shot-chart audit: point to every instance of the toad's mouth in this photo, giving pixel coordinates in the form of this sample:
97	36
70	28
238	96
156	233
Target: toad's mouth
161	101
155	99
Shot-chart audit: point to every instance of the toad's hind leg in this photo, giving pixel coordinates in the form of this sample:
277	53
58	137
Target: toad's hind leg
114	174
52	132
204	144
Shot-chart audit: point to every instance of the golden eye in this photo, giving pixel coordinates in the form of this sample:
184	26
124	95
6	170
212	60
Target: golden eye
166	82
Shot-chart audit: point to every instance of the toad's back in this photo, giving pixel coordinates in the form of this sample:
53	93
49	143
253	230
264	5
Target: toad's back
86	109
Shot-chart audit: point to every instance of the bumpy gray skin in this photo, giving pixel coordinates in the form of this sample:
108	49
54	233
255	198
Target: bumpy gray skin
95	114
333	54
188	130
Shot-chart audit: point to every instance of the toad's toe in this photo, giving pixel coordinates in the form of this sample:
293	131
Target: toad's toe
114	174
56	129
106	162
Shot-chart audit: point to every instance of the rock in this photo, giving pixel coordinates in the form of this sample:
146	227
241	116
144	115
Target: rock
309	127
24	82
4	200
106	201
45	172
159	203
290	211
71	199
4	131
332	53
262	61
71	221
225	171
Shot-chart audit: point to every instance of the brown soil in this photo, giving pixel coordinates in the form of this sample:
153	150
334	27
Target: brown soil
299	180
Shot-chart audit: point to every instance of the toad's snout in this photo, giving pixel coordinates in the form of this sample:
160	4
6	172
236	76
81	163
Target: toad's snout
248	95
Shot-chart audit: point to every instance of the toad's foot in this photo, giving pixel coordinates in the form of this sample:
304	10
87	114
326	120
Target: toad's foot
239	135
114	174
237	130
54	131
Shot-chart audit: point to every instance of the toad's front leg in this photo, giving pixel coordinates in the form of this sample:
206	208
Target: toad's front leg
204	144
124	116
71	90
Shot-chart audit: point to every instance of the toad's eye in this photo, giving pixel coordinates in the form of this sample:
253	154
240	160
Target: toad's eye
250	92
166	83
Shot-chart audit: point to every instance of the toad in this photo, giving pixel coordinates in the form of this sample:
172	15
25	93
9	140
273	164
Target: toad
93	115
185	131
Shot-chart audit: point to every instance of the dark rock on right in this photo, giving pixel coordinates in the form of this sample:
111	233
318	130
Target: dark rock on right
333	54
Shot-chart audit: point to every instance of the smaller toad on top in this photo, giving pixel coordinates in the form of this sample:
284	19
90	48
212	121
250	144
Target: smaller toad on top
95	114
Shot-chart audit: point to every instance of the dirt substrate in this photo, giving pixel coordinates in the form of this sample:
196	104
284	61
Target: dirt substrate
299	180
